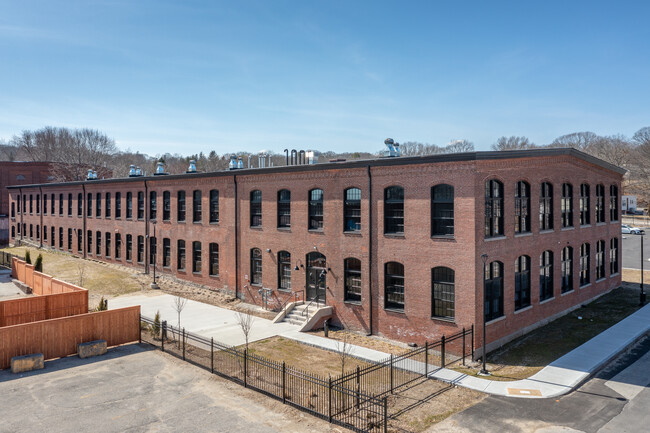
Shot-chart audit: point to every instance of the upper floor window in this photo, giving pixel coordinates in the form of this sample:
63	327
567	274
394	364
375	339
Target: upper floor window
284	208
613	256
38	204
167	205
394	210
256	266
567	205
180	206
567	269
442	210
214	259
18	204
153	205
13	210
98	208
256	208
600	260
196	257
522	282
352	210
140	205
522	207
443	296
352	280
44	204
118	205
546	207
600	203
493	302
493	208
89	205
284	270
394	286
60	204
584	205
52	204
197	214
31	204
585	267
80	204
129	205
70	204
214	206
546	275
316	209
613	203
108	209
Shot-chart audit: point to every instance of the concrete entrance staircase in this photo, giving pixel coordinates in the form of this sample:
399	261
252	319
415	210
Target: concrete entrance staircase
306	315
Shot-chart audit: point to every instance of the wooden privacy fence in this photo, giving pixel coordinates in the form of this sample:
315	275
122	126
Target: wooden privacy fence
41	284
58	338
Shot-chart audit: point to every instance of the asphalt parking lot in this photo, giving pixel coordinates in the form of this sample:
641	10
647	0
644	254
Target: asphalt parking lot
632	251
136	389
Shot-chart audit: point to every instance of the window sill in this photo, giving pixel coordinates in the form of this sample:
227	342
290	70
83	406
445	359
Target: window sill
166	220
545	301
448	238
585	286
285	229
585	226
180	222
498	319
198	223
567	292
615	274
600	279
316	231
524	309
444	319
283	290
215	276
357	234
494	238
355	303
394	235
256	285
541	232
394	310
523	235
214	223
196	273
600	224
256	228
614	222
566	229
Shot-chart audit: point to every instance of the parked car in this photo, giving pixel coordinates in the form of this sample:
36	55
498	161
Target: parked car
631	230
635	212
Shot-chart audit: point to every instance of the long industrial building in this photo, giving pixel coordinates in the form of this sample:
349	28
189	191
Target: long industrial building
395	245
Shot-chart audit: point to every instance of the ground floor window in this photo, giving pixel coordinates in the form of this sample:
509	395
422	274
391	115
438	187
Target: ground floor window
444	293
352	280
522	282
214	259
394	286
493	302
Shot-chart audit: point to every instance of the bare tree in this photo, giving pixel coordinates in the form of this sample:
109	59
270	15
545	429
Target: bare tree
344	350
513	143
642	136
245	322
81	273
179	304
577	140
458	146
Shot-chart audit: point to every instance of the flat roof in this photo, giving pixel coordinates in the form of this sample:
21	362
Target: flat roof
357	163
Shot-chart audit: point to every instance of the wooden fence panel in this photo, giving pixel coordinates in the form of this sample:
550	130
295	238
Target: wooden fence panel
57	338
47	285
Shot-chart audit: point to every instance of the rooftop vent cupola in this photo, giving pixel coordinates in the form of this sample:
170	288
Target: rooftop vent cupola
192	167
160	169
132	172
392	150
232	165
91	174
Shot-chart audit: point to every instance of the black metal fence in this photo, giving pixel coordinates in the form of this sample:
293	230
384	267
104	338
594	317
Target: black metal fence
325	398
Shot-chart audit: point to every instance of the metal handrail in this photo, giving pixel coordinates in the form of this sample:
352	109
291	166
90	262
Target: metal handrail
295	298
305	312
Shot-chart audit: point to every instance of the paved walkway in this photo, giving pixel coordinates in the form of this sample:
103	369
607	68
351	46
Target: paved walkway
559	377
8	290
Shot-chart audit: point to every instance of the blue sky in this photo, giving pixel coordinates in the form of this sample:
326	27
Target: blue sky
190	76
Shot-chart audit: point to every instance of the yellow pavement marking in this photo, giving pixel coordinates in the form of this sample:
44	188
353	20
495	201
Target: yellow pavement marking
519	391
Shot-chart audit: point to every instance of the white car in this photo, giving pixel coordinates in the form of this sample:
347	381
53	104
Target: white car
631	230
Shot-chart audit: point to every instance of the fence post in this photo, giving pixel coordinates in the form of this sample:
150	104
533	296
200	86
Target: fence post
212	355
163	335
140	325
358	385
183	338
245	368
463	345
284	375
391	373
329	404
472	341
442	352
385	414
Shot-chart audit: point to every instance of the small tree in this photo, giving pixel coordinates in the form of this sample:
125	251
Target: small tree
245	322
38	265
179	304
155	328
28	258
103	305
81	273
344	350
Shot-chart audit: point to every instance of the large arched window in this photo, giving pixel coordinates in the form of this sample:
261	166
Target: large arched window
394	286
546	275
284	208
522	207
546	207
493	208
584	205
613	203
613	256
442	210
284	270
352	280
567	270
394	210
522	282
256	266
493	300
567	205
316	209
585	266
214	206
443	301
352	210
256	208
214	259
600	203
600	260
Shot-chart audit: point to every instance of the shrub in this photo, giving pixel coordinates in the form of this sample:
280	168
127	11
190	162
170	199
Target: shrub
28	258
103	305
155	327
38	264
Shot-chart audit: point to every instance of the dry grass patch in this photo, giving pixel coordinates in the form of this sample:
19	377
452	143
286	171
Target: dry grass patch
634	276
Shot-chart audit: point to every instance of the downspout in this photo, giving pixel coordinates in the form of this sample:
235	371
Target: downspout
40	205
369	251
147	242
236	239
84	215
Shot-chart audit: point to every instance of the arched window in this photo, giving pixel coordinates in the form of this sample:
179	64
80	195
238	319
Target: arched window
567	205
522	207
180	253
443	298
284	270
197	213
567	269
196	257
352	280
613	256
600	260
214	206
214	259
316	209
352	210
522	282
284	208
584	205
546	207
394	286
394	210
256	208
600	203
493	302
546	275
442	210
585	267
256	267
493	208
613	203
167	205
153	205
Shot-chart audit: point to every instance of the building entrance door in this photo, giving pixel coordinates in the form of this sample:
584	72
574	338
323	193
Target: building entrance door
316	277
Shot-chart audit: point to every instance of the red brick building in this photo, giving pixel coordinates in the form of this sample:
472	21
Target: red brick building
394	245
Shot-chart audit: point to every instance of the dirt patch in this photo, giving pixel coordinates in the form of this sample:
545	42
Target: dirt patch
634	276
